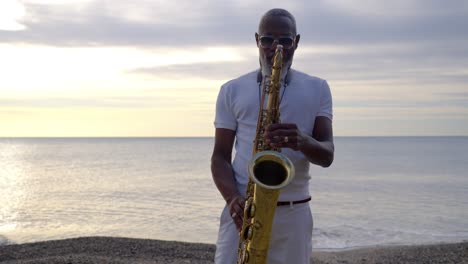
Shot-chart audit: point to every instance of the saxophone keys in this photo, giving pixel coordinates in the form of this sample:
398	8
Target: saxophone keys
245	257
252	210
248	233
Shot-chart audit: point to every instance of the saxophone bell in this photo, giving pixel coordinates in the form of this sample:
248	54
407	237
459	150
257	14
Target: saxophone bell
271	169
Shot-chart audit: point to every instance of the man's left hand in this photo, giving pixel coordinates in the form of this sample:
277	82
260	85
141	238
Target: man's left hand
285	136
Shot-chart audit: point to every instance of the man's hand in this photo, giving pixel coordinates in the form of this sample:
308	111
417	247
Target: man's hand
318	148
236	210
285	136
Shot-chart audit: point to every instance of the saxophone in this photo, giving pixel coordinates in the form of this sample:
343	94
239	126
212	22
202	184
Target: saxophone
269	171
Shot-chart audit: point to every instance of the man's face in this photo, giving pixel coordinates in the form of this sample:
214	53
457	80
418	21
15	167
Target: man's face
276	27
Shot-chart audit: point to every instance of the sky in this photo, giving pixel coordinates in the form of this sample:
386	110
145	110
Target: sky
153	68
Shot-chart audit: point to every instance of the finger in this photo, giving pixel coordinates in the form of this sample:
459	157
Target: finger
238	221
238	225
290	142
241	203
237	201
281	132
284	138
278	136
273	127
239	213
238	208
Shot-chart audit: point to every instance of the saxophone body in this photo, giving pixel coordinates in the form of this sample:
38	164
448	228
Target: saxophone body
269	171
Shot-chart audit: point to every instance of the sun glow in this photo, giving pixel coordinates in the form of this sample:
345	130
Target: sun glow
10	12
48	91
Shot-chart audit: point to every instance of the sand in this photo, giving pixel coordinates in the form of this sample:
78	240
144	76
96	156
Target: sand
127	250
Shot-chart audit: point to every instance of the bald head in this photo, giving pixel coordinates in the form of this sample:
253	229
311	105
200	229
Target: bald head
277	12
275	26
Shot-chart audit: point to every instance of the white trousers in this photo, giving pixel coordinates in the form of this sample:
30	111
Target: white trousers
290	242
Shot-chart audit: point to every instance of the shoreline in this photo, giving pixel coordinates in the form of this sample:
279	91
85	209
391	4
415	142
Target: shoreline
132	250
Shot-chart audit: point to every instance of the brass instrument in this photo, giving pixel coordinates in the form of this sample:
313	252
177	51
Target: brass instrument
269	171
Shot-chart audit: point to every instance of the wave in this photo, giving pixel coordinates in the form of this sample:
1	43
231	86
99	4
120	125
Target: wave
344	237
4	241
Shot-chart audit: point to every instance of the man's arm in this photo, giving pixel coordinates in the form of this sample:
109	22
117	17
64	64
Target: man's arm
318	148
223	176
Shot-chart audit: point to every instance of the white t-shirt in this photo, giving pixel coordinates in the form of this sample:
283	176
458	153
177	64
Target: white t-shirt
237	107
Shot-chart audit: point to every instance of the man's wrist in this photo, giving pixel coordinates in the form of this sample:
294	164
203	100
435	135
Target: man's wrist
305	143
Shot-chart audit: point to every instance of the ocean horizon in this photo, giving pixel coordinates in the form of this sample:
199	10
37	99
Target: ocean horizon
212	137
380	190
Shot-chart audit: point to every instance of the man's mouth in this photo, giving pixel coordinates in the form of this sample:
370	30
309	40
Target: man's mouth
270	60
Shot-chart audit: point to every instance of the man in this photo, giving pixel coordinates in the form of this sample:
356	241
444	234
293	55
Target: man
305	136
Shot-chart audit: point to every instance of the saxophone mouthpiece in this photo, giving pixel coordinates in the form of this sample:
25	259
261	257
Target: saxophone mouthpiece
278	58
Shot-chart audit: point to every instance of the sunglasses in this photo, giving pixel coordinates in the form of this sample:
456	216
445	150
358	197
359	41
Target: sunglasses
268	41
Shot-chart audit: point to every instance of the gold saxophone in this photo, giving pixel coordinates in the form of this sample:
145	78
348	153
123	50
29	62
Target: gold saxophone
269	171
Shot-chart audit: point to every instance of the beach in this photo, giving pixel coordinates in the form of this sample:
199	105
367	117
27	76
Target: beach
129	250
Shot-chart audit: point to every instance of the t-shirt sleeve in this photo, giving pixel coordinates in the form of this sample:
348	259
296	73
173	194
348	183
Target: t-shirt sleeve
326	108
224	117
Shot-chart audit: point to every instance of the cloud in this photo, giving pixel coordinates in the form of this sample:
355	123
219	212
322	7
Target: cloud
188	97
407	104
91	102
402	8
142	23
455	95
210	70
366	21
181	23
383	60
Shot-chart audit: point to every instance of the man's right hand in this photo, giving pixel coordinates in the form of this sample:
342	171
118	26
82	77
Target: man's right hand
236	210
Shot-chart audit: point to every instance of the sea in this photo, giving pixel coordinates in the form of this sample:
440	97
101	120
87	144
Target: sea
379	191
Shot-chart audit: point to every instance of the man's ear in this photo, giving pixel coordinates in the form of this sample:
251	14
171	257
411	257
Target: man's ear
298	37
256	38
